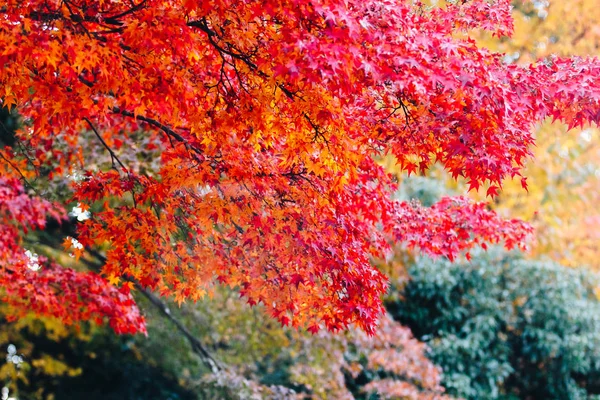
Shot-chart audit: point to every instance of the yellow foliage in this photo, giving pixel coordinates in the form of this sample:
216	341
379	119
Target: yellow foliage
53	367
563	28
564	180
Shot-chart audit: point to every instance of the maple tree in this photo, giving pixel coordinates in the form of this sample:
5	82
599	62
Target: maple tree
564	190
241	139
35	284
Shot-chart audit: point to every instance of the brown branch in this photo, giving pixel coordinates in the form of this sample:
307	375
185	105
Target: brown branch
197	347
170	132
211	34
114	19
20	173
203	25
113	156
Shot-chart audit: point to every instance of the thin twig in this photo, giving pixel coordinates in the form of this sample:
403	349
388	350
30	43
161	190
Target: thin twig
113	156
20	173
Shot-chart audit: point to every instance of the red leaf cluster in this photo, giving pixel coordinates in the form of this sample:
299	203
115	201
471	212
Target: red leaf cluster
32	284
267	117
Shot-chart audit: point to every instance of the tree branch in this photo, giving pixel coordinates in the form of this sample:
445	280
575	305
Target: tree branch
197	347
113	156
20	173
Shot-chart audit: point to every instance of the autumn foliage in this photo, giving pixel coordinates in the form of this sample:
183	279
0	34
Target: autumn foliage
261	122
34	284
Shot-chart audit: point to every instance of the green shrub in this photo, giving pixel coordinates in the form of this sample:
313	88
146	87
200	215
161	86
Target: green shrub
502	327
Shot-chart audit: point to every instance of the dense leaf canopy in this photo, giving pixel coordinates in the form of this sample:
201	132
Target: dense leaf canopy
240	142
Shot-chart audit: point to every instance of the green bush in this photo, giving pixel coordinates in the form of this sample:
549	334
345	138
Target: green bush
505	328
